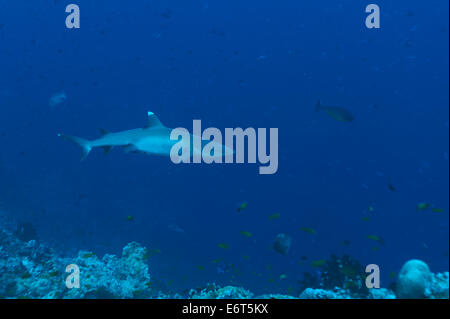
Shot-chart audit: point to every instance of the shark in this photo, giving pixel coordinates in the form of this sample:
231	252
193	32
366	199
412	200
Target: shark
152	139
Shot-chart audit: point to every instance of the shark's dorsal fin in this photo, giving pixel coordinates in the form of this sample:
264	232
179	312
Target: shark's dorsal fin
103	132
153	121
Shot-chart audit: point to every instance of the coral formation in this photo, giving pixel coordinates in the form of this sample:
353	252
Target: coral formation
29	269
212	291
414	280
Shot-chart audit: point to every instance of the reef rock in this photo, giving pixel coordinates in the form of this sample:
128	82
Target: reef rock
414	280
32	270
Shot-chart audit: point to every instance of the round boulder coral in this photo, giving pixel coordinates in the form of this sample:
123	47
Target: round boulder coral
414	280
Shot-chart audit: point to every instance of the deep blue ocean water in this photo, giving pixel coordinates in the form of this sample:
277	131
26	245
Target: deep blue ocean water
258	64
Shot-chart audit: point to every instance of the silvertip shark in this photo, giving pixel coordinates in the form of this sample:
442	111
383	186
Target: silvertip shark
152	139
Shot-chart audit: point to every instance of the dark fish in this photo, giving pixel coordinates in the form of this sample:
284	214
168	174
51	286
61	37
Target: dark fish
282	244
336	112
391	186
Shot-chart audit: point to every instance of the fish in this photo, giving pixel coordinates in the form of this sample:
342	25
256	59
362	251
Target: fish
366	219
391	186
152	139
308	230
282	244
437	210
423	206
318	263
274	216
246	233
57	98
242	207
223	245
130	218
376	238
338	113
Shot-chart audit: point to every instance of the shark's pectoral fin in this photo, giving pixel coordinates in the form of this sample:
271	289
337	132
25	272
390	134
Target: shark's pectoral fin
153	121
106	149
130	148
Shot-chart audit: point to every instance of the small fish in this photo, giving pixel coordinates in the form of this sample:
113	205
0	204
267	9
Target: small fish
371	209
246	234
365	219
155	251
391	186
318	263
336	112
130	218
274	216
283	276
423	206
223	246
376	238
375	248
87	255
199	267
242	207
57	98
308	230
437	210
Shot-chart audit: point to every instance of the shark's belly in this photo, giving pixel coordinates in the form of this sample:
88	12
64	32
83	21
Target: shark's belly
155	146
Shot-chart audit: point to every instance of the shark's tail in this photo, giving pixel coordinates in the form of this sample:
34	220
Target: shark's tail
84	144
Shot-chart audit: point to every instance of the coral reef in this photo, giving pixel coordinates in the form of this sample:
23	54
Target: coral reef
311	293
212	291
345	272
414	280
29	269
112	277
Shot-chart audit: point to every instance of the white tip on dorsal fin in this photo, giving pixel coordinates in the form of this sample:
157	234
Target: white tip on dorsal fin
153	120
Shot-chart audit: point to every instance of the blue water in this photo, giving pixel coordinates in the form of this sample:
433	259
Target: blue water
231	64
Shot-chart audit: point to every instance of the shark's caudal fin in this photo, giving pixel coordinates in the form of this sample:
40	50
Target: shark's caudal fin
84	144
